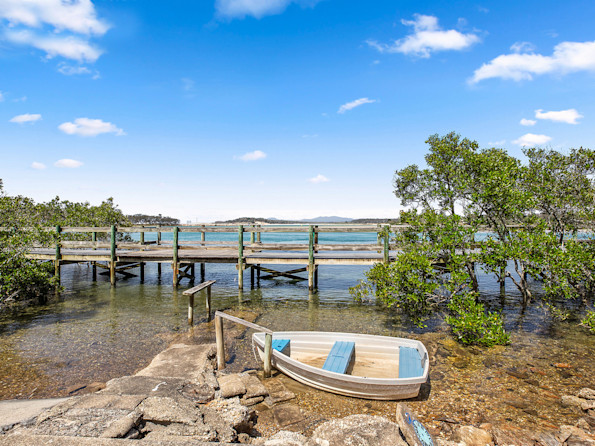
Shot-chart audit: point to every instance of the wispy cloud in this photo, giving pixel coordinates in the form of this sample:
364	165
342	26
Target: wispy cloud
75	70
68	163
570	116
256	8
528	122
187	84
568	57
90	127
426	39
27	117
353	104
252	156
38	166
531	139
319	179
57	27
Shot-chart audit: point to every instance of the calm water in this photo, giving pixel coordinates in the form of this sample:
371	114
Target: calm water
94	333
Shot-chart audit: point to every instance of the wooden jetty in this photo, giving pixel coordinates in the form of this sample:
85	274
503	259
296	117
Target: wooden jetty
108	248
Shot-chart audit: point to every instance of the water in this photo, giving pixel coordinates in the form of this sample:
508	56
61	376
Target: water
94	333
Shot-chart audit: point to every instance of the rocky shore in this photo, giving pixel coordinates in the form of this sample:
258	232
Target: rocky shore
180	399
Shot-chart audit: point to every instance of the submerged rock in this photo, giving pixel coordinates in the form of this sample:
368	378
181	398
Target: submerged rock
586	393
361	430
471	436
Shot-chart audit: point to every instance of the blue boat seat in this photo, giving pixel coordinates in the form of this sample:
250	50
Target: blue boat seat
281	345
340	357
409	363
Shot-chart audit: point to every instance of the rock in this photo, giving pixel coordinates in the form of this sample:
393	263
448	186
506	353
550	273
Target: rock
472	436
254	387
200	393
121	427
517	373
182	361
360	430
278	393
590	419
583	424
286	438
166	410
545	439
251	401
144	385
236	415
586	393
576	436
197	431
287	414
231	385
508	435
571	401
517	403
413	431
588	405
533	382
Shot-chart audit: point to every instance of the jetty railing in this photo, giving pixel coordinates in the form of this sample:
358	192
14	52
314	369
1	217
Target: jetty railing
191	292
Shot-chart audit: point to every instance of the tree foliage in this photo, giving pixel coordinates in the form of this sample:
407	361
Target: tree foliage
529	212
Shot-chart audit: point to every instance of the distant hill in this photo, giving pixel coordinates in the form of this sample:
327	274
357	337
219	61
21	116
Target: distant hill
331	219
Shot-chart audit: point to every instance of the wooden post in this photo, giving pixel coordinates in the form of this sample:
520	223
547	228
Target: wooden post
208	304
241	257
316	250
268	350
58	255
142	271
191	309
175	266
258	236
311	259
142	237
94	239
112	265
192	271
220	343
386	247
159	270
252	276
159	236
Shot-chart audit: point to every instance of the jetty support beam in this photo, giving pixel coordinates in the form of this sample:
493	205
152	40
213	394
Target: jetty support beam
241	257
112	263
175	266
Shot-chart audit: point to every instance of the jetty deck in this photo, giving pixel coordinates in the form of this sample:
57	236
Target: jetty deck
109	248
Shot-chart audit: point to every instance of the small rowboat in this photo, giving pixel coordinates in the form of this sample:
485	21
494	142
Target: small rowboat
356	365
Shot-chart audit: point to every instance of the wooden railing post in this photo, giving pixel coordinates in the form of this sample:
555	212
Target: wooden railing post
311	258
58	254
142	237
191	309
268	350
315	251
386	246
220	343
203	237
159	235
175	265
208	304
241	257
112	266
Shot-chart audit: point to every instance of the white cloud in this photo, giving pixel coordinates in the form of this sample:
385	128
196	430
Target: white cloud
351	105
89	127
75	70
68	163
57	27
569	116
319	179
568	57
78	16
37	166
70	47
522	47
427	38
255	8
531	139
27	117
252	156
528	122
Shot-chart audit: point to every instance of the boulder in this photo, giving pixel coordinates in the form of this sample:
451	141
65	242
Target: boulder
231	385
361	430
571	401
234	413
254	388
472	436
588	405
586	393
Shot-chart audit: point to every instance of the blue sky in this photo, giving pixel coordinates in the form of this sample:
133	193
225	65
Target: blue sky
216	109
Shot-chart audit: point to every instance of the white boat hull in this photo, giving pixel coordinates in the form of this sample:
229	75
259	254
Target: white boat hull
374	372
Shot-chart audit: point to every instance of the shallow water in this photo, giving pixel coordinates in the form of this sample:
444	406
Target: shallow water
94	333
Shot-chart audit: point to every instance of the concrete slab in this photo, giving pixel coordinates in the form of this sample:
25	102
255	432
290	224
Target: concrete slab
34	440
18	411
181	361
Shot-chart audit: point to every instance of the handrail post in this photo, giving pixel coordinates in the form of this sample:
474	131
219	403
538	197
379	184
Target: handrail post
142	237
268	350
159	234
311	259
175	265
58	254
220	342
386	245
112	267
94	240
241	257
